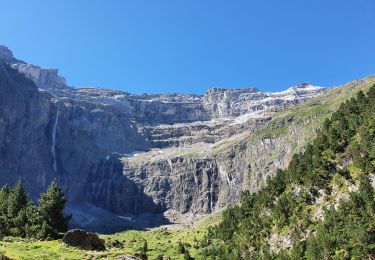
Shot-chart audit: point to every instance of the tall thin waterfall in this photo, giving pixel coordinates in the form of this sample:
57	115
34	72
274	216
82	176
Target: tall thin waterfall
211	196
53	148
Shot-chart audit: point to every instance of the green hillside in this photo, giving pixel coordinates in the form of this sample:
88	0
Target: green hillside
305	118
321	207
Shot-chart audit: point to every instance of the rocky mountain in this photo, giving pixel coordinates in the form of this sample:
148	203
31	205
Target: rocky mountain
124	156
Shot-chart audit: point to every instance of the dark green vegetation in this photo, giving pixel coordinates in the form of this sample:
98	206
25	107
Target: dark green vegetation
20	217
321	207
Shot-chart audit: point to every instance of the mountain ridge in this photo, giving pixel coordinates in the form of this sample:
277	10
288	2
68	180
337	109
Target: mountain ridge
132	157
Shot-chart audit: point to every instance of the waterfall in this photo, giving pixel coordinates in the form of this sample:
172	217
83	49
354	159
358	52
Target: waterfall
211	196
53	148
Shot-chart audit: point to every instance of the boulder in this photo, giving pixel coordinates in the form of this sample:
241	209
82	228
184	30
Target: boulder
84	240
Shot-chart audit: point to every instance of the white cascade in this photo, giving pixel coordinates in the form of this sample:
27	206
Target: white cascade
53	148
211	197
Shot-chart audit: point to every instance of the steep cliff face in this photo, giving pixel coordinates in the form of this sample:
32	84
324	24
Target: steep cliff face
220	102
202	178
26	119
132	154
42	138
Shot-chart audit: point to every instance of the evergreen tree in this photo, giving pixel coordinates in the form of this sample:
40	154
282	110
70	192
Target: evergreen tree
4	199
180	247
51	206
144	248
17	203
18	199
35	226
187	255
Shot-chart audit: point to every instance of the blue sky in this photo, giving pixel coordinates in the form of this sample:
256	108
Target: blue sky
191	45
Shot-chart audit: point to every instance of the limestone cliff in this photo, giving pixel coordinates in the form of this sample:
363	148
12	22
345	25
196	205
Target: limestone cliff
121	154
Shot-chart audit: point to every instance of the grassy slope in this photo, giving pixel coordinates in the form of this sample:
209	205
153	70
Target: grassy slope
160	242
310	114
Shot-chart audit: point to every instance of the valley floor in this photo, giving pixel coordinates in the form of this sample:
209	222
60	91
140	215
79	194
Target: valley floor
160	242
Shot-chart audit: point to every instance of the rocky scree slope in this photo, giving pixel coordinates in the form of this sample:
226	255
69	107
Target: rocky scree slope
195	151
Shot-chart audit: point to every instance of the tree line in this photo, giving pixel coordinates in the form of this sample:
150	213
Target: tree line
21	217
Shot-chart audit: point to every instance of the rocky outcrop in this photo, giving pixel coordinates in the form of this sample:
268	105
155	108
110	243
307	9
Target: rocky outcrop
43	78
220	102
83	240
107	188
6	55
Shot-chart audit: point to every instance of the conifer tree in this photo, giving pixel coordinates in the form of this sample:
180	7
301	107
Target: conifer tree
145	247
51	206
16	212
4	197
17	200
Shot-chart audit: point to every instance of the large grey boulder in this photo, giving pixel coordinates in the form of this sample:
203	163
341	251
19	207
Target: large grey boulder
84	240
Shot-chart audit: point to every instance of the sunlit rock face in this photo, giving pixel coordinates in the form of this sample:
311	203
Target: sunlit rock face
120	154
43	78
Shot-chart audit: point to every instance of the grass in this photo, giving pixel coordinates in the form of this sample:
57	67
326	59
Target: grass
160	242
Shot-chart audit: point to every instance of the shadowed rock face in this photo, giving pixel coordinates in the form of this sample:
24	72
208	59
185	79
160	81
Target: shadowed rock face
89	139
6	55
42	138
25	123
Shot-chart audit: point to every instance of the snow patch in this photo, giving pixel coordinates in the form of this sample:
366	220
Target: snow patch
128	155
132	219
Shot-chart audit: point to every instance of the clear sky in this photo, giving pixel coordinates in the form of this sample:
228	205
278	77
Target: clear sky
191	45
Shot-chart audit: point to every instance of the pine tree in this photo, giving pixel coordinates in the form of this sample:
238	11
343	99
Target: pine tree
187	255
145	247
16	212
51	206
17	200
4	196
4	199
180	247
34	226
